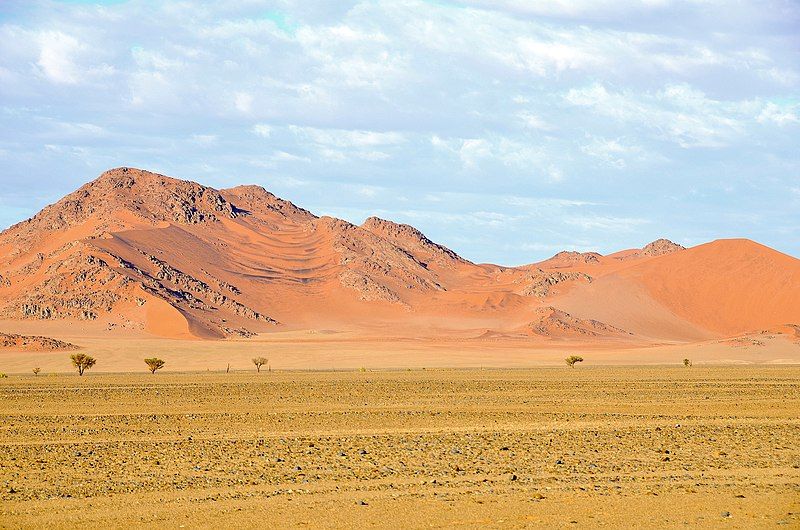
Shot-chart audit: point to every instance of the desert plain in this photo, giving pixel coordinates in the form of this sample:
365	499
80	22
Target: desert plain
711	446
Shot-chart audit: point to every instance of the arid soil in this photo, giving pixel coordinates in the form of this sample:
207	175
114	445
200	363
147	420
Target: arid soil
641	447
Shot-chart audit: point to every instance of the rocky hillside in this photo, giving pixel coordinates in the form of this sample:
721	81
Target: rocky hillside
136	250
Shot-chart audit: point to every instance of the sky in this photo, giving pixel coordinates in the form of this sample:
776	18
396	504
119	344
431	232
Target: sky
507	130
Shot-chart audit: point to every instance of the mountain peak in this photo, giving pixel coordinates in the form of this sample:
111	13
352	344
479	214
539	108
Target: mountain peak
408	237
660	247
150	196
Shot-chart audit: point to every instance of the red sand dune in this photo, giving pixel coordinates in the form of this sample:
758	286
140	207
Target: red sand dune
141	251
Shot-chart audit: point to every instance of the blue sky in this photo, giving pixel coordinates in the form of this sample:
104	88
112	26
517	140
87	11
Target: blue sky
505	129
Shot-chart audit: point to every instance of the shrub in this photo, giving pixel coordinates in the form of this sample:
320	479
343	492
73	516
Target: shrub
2	375
36	370
82	362
259	362
572	359
687	362
154	363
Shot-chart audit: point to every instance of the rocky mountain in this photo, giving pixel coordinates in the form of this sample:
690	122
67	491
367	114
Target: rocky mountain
142	252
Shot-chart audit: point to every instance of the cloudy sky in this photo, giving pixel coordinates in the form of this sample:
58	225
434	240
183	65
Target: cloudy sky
505	129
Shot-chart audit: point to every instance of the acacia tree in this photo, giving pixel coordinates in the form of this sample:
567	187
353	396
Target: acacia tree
572	359
81	361
259	362
154	364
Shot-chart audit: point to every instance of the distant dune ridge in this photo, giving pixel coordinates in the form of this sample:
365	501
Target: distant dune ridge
176	259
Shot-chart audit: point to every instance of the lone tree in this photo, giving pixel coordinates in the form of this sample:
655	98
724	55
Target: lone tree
36	370
572	359
81	361
154	364
259	362
687	362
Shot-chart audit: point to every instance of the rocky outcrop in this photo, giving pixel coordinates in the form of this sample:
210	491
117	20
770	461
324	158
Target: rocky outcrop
376	268
553	322
571	258
80	286
659	247
149	196
255	199
195	292
540	283
10	341
368	289
412	240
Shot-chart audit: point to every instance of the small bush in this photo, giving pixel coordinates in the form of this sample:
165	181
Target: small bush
687	363
2	375
82	362
154	363
572	359
36	370
259	362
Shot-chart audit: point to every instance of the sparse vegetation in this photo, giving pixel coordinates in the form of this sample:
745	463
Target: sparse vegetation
2	375
154	363
36	370
687	362
573	359
82	362
259	362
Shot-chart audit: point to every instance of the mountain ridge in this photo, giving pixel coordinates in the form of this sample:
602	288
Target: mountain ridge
143	251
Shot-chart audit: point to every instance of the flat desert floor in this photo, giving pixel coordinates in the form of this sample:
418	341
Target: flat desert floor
639	447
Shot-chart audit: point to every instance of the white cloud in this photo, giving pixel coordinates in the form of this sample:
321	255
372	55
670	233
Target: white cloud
606	223
576	8
778	114
677	113
154	60
243	102
204	139
479	154
532	121
262	129
283	156
348	138
370	192
57	57
611	151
